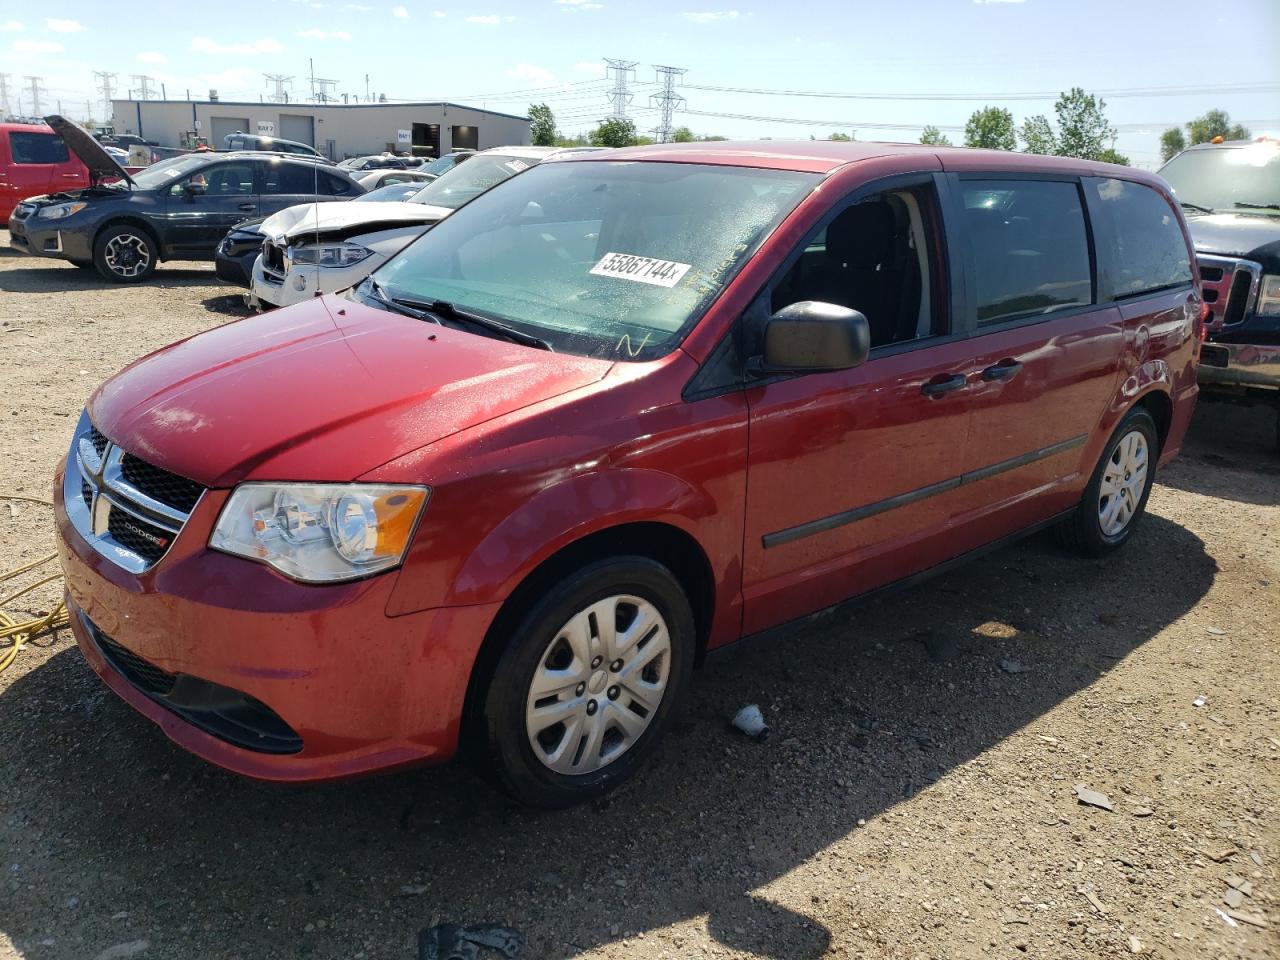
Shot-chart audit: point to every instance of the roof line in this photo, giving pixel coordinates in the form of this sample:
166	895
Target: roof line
326	106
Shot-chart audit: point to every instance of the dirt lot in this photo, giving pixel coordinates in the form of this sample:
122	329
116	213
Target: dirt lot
916	799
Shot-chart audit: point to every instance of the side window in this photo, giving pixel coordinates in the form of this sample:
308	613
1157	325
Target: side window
1029	245
335	186
220	180
37	148
291	178
1149	252
879	257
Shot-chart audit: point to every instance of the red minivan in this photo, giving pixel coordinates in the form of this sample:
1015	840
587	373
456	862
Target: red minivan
614	413
35	161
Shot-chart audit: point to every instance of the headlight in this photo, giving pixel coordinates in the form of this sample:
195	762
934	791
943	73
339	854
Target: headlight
318	533
60	211
1269	296
329	254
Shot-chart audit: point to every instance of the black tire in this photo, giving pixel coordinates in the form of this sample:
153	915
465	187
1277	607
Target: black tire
1082	532
505	752
133	257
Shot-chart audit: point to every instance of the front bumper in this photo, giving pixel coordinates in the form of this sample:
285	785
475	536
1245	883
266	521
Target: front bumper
304	282
1239	365
235	269
361	690
30	236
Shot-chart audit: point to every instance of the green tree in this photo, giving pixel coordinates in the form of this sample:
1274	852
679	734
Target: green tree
841	137
991	128
542	125
714	137
1215	123
682	135
1038	136
614	132
934	137
1172	143
1083	130
1111	155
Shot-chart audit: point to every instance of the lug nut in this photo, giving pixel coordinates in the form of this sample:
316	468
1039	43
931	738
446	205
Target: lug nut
596	661
616	665
581	689
613	693
591	708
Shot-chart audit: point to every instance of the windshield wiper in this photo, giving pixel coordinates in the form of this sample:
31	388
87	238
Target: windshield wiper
407	308
443	308
1194	206
1248	205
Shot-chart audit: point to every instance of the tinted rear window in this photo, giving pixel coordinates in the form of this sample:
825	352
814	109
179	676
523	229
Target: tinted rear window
293	178
1030	247
1149	251
337	186
37	148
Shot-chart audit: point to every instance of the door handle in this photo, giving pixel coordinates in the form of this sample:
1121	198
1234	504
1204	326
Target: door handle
944	383
69	176
1004	370
248	206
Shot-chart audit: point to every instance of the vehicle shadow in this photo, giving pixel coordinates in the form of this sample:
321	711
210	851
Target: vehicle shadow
230	304
868	706
58	277
1225	445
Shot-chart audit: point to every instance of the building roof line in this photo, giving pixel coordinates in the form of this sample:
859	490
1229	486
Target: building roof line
340	106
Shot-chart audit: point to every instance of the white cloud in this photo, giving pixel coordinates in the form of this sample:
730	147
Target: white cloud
12	26
264	45
340	35
439	14
37	46
580	4
64	26
400	11
541	76
711	16
151	56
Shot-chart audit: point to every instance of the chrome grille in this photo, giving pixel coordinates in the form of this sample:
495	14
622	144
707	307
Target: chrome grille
129	510
1230	288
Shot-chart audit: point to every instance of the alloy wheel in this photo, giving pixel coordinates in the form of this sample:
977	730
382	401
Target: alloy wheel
598	685
1124	479
127	255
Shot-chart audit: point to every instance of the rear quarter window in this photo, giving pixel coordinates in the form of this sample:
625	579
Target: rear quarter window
1147	249
1029	246
38	148
338	186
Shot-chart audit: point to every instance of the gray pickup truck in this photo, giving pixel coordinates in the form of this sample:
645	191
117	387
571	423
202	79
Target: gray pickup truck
1230	192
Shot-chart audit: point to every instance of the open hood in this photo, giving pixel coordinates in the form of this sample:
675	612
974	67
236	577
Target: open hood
337	221
87	149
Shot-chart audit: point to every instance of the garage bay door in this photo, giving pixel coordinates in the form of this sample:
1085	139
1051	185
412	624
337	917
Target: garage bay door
297	128
221	126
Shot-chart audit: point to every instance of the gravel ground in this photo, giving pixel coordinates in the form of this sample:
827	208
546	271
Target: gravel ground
916	799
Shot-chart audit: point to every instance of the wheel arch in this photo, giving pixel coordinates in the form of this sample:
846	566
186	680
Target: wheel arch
129	220
1159	405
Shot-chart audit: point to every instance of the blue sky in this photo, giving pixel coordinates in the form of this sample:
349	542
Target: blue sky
505	54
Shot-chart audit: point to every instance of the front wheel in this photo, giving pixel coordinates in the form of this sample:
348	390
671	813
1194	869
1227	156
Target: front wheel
1116	496
125	254
588	681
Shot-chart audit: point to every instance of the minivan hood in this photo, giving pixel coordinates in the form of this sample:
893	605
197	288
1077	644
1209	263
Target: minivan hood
1236	235
323	391
87	149
331	221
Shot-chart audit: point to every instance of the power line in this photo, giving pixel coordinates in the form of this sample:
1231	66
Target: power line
667	99
1166	91
622	71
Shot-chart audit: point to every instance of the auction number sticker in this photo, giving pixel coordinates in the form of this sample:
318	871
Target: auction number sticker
630	266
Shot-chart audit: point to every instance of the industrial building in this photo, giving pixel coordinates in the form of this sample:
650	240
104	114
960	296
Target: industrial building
337	130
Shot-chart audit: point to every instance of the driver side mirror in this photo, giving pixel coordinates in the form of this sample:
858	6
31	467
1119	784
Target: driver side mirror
192	190
812	337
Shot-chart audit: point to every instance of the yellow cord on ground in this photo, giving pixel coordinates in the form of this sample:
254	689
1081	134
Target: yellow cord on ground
13	632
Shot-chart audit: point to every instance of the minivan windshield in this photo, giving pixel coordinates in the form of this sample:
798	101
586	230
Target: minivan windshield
610	259
467	181
1244	179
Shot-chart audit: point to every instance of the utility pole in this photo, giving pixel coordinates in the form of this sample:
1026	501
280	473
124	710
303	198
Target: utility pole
366	87
619	95
37	88
4	95
144	90
667	100
280	94
105	80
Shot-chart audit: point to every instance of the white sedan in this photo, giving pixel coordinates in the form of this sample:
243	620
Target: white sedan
317	248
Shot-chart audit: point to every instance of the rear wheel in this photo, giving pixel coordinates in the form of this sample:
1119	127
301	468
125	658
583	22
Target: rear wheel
125	254
1116	496
587	683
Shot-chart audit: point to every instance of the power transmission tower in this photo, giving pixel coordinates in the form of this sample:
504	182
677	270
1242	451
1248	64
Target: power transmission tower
37	88
622	71
325	92
4	95
667	99
280	95
144	92
105	80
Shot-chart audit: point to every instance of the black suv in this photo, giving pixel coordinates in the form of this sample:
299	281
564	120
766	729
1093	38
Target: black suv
174	210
